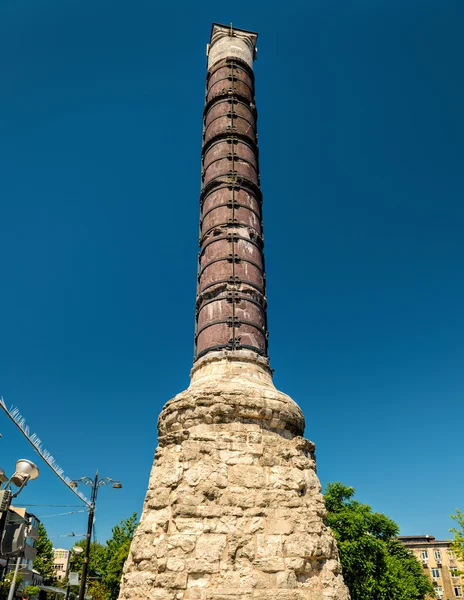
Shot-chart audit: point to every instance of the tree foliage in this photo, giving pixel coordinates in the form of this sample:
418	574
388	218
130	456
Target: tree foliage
96	559
98	590
458	541
376	566
117	550
106	561
31	590
43	562
6	584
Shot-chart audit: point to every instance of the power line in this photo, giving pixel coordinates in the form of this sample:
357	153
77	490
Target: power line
57	505
71	512
72	534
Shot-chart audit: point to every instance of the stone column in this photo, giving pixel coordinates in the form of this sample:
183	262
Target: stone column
234	507
231	301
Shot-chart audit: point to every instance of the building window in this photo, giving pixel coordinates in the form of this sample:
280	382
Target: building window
454	572
437	555
425	555
439	591
458	591
435	573
451	554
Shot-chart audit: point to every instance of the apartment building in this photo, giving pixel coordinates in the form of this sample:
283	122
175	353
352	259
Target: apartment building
60	562
29	552
440	563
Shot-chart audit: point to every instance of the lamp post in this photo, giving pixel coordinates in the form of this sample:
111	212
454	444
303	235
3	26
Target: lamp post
74	552
95	483
25	471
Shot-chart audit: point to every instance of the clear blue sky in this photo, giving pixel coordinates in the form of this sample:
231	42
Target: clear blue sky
361	136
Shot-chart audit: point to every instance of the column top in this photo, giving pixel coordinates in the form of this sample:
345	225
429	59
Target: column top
229	42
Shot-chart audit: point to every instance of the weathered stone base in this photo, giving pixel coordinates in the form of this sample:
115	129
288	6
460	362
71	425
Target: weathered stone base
234	508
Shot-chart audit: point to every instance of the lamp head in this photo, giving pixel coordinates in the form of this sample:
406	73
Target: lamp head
25	470
117	485
77	550
3	476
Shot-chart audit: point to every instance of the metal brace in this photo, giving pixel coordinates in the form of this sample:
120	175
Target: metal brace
234	280
234	344
233	297
231	321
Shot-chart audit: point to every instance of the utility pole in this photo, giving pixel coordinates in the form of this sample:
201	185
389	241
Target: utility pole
85	564
73	553
95	483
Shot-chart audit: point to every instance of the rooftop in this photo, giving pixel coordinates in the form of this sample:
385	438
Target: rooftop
421	539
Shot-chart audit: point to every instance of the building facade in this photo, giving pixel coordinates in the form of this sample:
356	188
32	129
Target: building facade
60	562
28	554
439	562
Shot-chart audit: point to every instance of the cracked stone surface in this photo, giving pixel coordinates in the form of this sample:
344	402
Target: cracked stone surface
234	506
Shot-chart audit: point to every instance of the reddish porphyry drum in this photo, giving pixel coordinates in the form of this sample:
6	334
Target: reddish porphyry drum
231	301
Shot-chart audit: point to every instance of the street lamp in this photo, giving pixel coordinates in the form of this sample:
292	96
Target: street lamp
25	471
95	483
74	552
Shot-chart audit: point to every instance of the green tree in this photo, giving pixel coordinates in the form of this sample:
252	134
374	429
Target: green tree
97	563
376	566
97	559
30	590
98	591
458	541
43	562
117	551
106	561
9	578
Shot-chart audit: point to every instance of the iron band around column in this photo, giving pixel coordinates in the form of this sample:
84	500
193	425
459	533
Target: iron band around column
234	280
232	258
235	299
